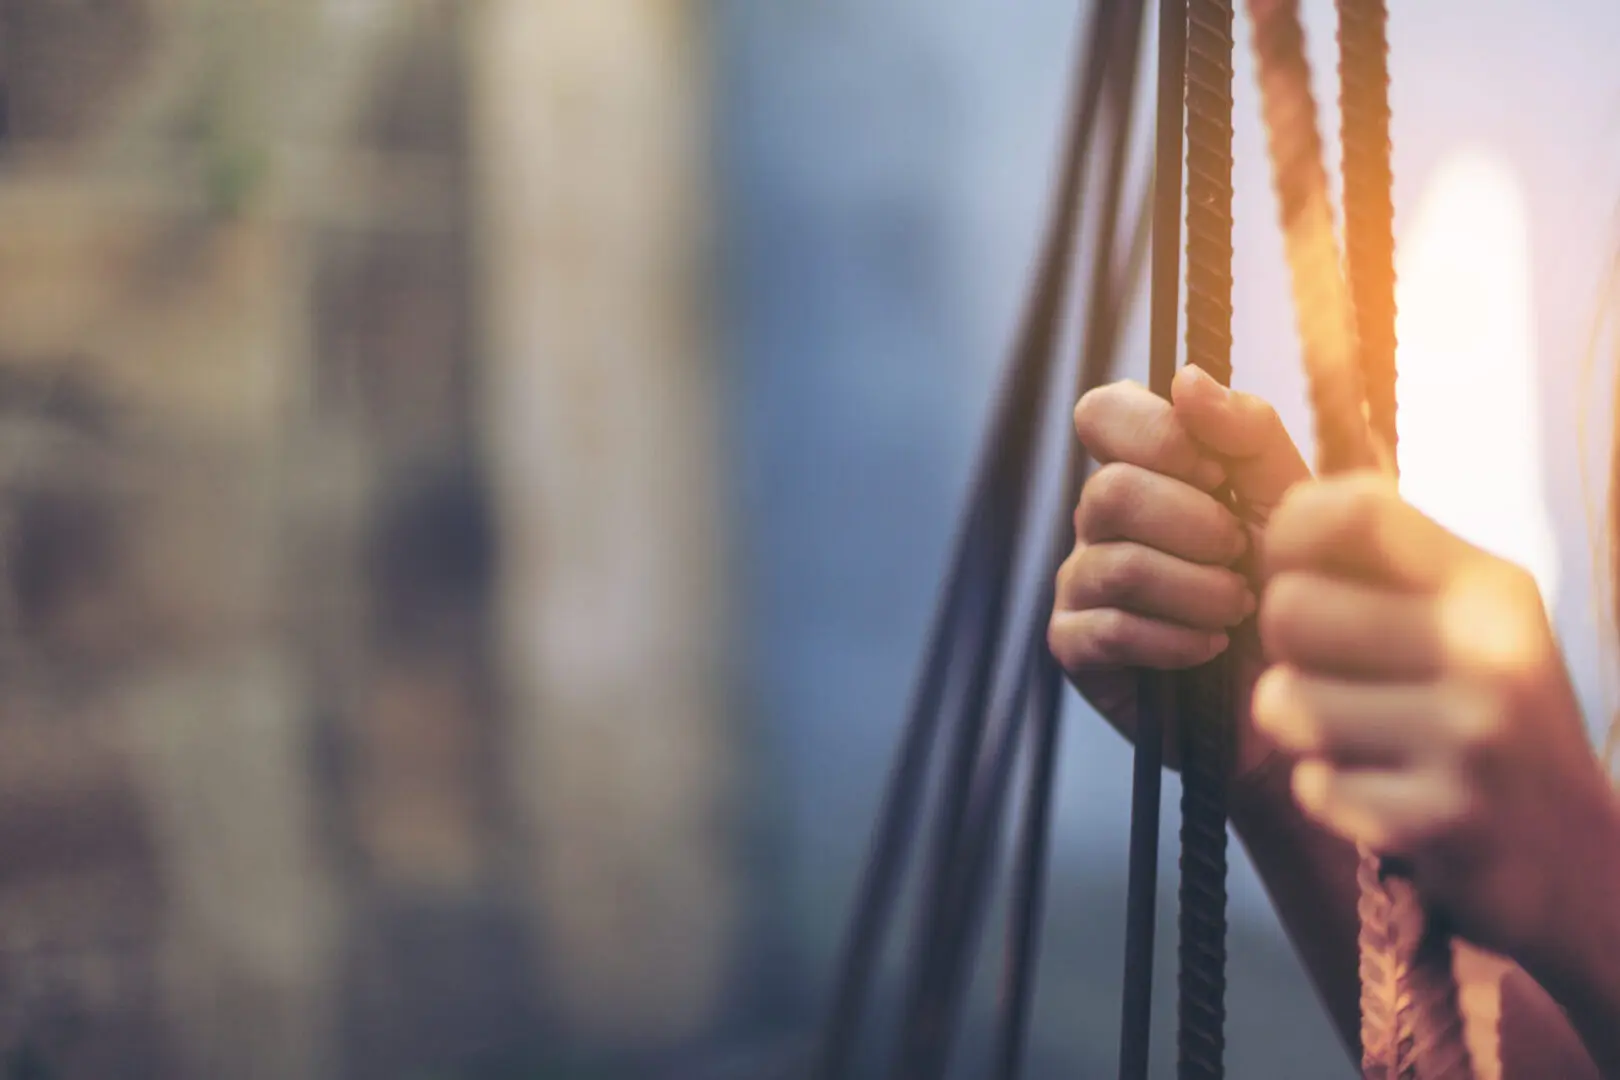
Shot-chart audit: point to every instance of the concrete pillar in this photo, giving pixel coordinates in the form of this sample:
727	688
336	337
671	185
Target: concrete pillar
600	412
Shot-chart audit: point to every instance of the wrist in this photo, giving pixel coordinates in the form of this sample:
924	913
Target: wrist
1261	789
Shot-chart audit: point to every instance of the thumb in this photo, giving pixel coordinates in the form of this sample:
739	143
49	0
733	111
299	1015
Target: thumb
1244	432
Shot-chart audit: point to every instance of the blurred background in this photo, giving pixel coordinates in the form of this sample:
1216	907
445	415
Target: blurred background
474	477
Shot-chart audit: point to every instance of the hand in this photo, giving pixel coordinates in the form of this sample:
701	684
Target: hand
1156	576
1421	693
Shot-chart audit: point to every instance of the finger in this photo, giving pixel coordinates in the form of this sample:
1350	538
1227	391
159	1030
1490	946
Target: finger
1357	525
1126	502
1393	813
1244	431
1351	725
1334	627
1108	637
1144	581
1127	422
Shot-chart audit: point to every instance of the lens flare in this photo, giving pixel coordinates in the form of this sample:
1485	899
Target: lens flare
1471	446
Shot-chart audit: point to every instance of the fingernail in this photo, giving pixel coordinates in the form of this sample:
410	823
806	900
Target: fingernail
1218	644
1251	603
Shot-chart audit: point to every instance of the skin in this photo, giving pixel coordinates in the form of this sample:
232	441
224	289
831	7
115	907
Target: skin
1398	687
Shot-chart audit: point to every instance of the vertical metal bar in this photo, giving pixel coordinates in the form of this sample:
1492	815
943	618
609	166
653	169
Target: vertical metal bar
1411	1026
897	821
1206	692
1111	288
1155	691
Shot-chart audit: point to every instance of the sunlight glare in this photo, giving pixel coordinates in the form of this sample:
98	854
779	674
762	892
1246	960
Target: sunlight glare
1471	448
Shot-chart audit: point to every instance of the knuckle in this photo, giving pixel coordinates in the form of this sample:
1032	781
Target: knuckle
1057	643
1283	611
1269	416
1266	703
1280	523
1107	496
1283	712
1100	639
1121	571
1257	410
1477	721
1092	411
1364	503
1161	437
1063	581
1110	636
1268	420
1067	645
1520	588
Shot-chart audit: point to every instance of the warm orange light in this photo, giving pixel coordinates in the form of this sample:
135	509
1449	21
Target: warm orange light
1470	425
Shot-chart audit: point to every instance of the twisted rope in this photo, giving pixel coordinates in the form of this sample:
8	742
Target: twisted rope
1206	724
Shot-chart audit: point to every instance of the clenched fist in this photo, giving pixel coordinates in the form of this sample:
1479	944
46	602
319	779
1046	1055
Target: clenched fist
1160	575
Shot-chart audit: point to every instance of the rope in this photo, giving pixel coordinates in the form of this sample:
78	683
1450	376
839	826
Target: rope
1206	695
1411	1024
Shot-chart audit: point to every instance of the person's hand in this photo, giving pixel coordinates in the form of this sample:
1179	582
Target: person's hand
1157	575
1421	694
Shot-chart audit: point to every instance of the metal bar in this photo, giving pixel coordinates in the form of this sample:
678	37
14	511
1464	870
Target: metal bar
1155	691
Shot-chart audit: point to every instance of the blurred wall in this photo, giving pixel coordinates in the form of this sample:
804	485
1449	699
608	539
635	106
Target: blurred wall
354	721
599	396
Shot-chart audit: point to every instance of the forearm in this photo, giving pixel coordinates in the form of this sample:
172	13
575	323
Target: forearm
1558	1011
1579	967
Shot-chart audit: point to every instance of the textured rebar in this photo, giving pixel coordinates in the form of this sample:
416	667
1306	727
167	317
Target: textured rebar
1155	690
1411	1025
1206	721
1369	265
1430	1040
1411	1021
1369	209
1321	300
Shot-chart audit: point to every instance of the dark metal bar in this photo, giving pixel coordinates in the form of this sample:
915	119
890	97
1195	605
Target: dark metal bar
1155	692
1206	693
897	822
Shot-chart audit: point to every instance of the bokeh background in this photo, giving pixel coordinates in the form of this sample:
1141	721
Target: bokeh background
476	475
